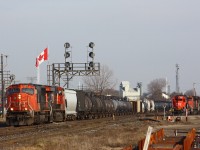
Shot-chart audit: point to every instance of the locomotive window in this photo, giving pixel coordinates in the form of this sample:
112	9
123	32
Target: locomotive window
28	91
13	90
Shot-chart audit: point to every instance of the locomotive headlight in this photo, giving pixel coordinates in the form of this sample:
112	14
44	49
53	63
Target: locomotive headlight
26	109
19	96
11	109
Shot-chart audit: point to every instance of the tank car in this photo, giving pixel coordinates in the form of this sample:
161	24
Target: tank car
116	105
31	103
160	105
97	106
84	105
122	106
109	106
129	107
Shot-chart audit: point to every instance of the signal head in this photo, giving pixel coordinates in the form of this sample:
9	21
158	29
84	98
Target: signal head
91	45
91	64
91	54
66	45
67	54
67	64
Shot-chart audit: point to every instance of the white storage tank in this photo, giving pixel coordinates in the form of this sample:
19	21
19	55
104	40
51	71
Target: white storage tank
139	107
71	100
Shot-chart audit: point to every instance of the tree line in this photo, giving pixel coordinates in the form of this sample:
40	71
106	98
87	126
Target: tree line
105	83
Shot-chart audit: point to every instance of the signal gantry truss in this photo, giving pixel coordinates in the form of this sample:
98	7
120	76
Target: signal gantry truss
59	73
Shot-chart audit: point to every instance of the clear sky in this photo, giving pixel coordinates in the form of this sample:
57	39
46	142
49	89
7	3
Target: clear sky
138	40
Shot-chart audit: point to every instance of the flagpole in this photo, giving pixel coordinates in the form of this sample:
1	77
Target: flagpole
42	57
38	75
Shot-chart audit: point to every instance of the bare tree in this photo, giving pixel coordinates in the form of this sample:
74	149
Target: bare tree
155	88
100	83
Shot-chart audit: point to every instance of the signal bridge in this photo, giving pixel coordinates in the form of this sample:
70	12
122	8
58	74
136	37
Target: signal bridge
64	72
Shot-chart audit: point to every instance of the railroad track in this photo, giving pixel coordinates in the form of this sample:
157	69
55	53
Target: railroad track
16	136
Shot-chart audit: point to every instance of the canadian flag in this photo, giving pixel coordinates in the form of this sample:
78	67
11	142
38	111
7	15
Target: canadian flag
42	57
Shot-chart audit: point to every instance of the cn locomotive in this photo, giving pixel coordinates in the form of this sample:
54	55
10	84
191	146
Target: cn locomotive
182	102
29	104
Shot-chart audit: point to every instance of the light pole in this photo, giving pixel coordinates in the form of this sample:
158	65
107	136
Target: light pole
2	87
2	82
194	92
164	106
139	85
177	79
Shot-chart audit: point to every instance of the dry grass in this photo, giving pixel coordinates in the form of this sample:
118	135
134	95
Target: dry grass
109	138
112	136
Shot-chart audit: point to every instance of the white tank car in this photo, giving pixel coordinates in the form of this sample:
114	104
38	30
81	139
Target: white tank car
147	106
71	100
152	104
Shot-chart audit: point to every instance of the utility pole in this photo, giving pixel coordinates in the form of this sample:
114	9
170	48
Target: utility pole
194	91
177	79
2	86
139	85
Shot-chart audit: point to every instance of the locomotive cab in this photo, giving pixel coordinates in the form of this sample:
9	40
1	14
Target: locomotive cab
21	104
34	104
179	103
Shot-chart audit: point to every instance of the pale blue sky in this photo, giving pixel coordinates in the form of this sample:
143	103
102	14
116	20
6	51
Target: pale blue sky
139	40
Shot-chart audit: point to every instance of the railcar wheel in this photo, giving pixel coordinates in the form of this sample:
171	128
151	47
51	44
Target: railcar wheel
73	118
82	117
8	122
29	121
58	117
89	117
50	119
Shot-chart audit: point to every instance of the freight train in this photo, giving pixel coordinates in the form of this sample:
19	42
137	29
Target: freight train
29	104
181	103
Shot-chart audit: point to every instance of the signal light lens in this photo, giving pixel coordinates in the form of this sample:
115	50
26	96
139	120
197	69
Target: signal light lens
66	45
91	64
91	54
91	44
67	64
67	54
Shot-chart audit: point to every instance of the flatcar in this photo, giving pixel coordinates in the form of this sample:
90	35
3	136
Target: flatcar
29	104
